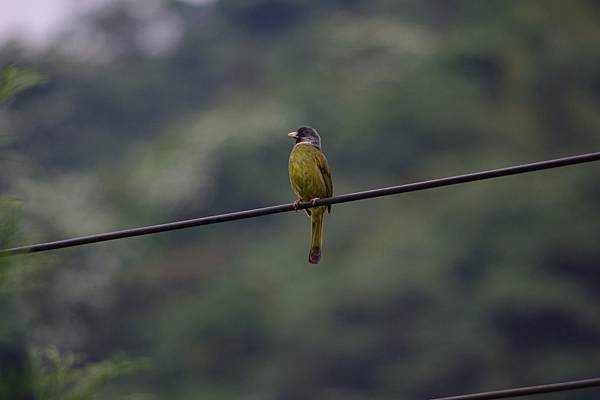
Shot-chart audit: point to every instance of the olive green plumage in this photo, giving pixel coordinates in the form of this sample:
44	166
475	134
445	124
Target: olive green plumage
310	179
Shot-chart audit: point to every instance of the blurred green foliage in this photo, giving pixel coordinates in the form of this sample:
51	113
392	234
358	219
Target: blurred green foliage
47	374
480	286
58	376
16	380
14	80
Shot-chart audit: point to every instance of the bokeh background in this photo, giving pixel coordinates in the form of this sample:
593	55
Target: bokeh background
143	112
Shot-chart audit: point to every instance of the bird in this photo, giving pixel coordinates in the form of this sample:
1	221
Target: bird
310	178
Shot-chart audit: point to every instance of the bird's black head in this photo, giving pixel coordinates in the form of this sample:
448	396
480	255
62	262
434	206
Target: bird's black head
306	134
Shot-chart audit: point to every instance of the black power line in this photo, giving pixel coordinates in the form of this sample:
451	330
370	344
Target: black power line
527	390
367	194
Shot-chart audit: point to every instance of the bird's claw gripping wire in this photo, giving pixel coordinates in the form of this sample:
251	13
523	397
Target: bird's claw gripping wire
296	204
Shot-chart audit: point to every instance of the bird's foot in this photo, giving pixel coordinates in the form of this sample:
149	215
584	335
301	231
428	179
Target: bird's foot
296	204
313	202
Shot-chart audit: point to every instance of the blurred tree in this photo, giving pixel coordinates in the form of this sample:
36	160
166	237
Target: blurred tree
471	288
16	380
50	375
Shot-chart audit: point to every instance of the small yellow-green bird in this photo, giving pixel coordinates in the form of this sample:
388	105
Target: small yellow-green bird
310	178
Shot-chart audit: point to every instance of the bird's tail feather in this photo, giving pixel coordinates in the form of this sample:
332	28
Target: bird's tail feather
316	242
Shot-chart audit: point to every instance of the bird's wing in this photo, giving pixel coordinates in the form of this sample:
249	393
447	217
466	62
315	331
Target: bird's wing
326	173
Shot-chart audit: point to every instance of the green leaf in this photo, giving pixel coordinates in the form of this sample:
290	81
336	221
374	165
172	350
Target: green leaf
14	80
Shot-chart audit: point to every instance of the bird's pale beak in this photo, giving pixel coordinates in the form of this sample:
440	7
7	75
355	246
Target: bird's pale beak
293	135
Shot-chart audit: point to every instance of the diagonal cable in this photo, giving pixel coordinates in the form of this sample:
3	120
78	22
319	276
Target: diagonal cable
367	194
527	390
